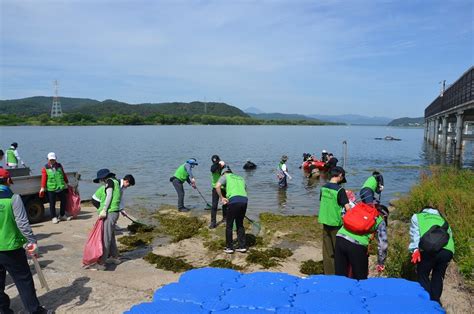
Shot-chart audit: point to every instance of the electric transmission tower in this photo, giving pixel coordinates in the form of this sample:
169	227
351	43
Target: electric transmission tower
56	110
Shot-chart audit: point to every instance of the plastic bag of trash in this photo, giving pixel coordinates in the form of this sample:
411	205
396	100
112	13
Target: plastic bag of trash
73	203
94	248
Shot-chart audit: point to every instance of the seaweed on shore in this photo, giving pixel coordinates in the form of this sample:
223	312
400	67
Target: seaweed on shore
179	227
311	267
268	258
139	228
219	244
174	264
223	263
136	240
140	235
296	228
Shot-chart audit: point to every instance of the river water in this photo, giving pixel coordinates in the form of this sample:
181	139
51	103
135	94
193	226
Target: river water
152	153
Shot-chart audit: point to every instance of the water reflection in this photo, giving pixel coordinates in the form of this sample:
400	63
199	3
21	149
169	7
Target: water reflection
432	156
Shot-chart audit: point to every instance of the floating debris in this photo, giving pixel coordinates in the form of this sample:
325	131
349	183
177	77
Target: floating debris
388	138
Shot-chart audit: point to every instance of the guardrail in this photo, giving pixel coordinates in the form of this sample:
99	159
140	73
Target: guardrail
460	92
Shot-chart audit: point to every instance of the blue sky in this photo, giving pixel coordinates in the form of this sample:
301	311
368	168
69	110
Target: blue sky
381	58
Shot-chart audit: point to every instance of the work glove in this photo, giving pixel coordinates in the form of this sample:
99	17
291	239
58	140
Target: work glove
103	214
222	163
32	249
193	183
41	193
380	268
416	256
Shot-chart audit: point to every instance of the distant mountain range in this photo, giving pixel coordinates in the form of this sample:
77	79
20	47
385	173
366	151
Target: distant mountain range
42	105
410	122
280	116
345	119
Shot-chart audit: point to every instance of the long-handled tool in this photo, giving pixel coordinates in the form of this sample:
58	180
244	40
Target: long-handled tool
254	224
43	282
202	196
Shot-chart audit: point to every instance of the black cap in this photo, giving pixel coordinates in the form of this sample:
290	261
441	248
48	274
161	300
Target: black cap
215	159
103	174
130	179
15	144
337	171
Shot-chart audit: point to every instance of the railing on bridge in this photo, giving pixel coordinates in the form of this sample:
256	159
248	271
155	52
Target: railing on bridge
462	91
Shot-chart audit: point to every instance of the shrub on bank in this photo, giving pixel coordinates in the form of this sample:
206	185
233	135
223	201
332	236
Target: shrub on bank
451	191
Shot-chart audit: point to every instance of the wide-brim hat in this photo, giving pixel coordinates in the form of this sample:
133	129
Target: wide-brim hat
102	174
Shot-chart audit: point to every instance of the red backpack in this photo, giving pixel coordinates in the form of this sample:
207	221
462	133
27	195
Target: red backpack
361	218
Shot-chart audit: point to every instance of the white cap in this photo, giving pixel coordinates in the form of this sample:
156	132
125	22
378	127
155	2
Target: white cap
51	156
324	151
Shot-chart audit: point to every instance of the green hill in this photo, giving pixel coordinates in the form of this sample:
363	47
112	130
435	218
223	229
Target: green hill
285	116
42	105
405	121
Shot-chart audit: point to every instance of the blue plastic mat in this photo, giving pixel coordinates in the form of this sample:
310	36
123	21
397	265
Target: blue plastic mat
224	291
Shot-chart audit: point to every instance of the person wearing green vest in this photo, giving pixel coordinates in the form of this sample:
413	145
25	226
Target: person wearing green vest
216	168
54	181
13	158
15	233
352	250
236	200
373	184
332	202
434	264
108	210
282	172
183	173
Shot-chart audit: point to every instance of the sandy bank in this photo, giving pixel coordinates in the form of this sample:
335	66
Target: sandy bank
78	290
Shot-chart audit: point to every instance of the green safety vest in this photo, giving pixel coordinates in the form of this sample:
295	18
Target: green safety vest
116	195
362	239
55	180
371	183
215	177
11	237
235	186
330	211
427	220
181	174
11	158
100	195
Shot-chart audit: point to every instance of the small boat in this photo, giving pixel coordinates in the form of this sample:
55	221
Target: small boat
309	165
388	138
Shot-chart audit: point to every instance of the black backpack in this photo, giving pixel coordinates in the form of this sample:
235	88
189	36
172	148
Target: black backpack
434	239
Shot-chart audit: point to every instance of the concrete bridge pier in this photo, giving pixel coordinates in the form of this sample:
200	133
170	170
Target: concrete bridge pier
459	126
444	134
436	133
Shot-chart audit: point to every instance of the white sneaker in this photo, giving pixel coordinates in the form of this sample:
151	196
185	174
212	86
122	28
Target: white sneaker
65	218
228	250
113	260
241	250
55	220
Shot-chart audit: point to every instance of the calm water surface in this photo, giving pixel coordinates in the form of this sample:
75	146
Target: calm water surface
152	153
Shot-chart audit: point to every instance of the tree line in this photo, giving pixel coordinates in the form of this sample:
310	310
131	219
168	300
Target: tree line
135	119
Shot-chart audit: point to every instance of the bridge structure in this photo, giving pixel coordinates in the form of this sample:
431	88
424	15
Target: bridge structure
449	119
